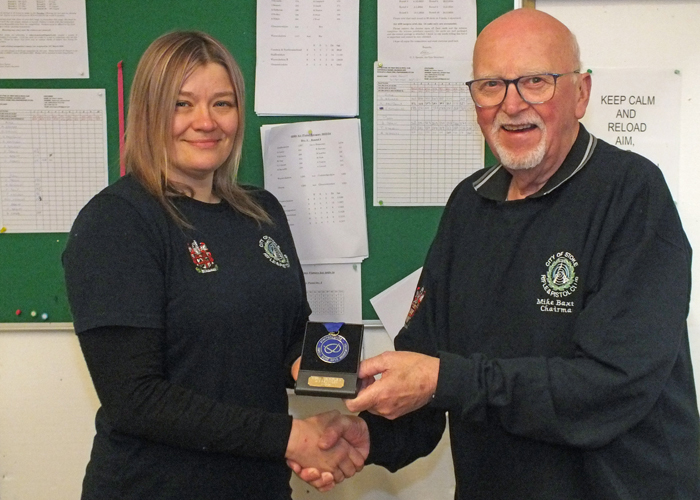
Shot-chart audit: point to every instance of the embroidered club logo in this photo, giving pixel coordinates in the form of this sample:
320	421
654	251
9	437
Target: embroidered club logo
273	253
202	258
417	299
560	279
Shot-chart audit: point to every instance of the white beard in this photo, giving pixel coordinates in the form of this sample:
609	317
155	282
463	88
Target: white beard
524	161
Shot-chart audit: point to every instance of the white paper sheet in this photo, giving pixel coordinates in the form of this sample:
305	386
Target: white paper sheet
426	138
392	305
409	30
43	39
334	292
315	171
53	156
639	109
307	57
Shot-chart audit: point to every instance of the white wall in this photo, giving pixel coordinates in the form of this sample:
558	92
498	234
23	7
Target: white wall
651	34
47	406
47	409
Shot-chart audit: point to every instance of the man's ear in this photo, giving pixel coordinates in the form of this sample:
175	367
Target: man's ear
584	94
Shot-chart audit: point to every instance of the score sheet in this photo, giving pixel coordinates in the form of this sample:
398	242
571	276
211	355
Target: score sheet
426	138
307	57
315	171
53	156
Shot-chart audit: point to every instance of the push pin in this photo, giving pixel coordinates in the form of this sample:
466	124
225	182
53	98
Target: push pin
33	314
44	316
18	312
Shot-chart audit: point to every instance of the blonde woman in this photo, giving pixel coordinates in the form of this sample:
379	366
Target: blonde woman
189	301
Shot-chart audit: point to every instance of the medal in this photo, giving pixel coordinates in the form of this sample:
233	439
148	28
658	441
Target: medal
332	348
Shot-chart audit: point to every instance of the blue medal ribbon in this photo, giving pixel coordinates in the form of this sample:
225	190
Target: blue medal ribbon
333	328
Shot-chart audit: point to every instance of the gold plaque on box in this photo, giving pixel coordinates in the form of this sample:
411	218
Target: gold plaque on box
335	382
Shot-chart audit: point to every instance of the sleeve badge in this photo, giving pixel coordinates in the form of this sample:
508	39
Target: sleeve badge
417	299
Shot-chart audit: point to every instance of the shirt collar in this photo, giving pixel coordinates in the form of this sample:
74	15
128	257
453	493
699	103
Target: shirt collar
495	182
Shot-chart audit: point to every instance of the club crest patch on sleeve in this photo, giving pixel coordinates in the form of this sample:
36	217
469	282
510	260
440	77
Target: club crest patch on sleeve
273	252
202	257
417	299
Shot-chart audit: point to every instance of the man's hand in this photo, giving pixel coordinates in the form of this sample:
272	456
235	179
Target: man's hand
327	460
408	381
340	431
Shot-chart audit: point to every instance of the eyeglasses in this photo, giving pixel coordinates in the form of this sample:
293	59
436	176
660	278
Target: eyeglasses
534	89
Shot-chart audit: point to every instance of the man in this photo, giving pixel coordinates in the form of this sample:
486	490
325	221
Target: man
553	302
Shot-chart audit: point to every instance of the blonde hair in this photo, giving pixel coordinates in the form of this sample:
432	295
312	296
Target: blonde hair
160	74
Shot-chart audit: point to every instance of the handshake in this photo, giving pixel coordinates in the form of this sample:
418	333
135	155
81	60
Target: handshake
325	449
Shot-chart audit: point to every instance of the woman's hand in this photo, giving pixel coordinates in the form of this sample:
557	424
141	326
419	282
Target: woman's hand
331	460
295	368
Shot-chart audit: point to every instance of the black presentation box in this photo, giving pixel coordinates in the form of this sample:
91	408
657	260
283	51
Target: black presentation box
330	360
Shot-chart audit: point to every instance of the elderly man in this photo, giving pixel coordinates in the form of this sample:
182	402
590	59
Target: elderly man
551	316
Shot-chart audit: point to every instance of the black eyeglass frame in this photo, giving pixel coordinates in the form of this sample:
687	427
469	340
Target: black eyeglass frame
515	83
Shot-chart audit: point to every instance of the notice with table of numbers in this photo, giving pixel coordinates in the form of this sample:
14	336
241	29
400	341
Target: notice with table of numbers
307	57
53	156
426	138
315	171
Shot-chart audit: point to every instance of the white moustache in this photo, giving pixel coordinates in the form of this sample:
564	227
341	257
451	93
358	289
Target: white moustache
520	124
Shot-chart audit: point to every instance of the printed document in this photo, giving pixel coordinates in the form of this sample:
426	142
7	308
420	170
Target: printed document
315	171
43	39
426	30
53	156
334	292
307	57
639	109
426	138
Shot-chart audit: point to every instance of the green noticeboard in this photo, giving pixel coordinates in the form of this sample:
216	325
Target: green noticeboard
31	275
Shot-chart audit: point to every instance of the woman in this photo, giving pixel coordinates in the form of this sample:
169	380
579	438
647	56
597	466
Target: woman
189	302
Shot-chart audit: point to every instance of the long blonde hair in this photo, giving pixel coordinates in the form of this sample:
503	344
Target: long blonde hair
160	74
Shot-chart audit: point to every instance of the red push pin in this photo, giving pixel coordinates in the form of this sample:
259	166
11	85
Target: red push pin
18	312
